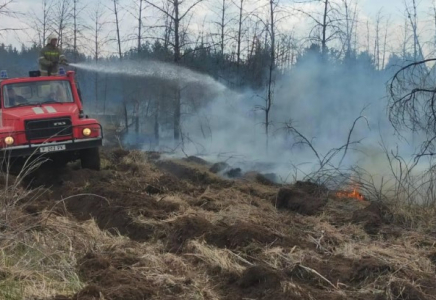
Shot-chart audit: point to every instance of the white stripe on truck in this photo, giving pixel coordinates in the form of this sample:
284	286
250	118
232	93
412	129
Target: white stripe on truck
50	109
38	110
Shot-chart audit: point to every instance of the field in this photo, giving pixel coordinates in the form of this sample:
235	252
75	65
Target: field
149	228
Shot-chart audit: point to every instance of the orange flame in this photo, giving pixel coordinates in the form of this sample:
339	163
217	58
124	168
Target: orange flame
354	195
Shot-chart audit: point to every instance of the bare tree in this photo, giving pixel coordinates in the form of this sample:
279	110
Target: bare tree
116	11
222	23
176	15
5	11
63	15
98	17
324	25
272	66
117	25
367	36
140	24
240	20
412	102
350	16
327	24
405	37
385	41
136	11
75	28
412	16
377	40
434	23
40	21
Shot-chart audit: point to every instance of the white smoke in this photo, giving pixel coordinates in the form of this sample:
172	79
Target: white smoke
231	129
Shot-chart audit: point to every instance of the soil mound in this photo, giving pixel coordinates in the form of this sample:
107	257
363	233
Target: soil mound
263	179
336	269
256	282
234	173
367	269
311	188
259	277
187	228
110	276
298	201
218	167
191	174
117	214
402	290
373	217
196	160
90	292
243	234
266	179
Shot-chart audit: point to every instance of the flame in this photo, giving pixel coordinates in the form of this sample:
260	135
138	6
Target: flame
347	194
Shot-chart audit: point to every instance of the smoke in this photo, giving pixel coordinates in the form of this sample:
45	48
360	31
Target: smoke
322	103
330	106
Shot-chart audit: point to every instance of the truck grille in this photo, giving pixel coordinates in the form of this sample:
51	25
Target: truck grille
46	128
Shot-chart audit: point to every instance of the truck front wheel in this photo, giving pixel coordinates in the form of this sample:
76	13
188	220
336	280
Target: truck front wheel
90	159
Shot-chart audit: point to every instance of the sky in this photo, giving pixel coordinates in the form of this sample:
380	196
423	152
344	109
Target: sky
203	18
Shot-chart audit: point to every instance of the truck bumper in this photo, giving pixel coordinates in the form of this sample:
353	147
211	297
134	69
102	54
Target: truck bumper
48	148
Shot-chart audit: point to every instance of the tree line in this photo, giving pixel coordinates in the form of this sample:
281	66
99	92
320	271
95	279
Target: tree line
247	46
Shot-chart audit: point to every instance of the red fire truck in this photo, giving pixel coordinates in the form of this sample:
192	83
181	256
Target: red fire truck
43	116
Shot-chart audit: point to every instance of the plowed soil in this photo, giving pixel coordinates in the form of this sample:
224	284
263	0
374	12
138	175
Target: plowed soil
180	230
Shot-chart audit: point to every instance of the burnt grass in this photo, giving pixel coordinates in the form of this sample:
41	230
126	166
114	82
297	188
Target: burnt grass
246	216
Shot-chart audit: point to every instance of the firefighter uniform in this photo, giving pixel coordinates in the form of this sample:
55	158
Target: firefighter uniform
50	57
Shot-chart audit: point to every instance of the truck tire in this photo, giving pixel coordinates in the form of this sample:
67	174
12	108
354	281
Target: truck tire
90	159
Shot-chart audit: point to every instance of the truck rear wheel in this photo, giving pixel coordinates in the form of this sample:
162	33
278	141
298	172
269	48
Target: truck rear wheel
90	159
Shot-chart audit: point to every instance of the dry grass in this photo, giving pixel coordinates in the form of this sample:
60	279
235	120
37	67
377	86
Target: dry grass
40	259
213	257
41	262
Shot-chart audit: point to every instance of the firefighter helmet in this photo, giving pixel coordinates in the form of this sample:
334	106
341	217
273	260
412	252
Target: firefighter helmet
51	37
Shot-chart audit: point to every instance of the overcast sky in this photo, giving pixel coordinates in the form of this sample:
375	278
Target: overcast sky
368	10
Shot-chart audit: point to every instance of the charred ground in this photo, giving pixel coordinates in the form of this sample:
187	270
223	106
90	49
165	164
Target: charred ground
150	228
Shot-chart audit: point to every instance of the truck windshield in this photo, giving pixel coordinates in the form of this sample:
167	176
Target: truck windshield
32	93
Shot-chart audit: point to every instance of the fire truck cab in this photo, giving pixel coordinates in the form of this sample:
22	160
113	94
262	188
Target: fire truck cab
43	116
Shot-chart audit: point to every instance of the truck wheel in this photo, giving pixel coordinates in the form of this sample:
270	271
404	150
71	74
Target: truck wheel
90	159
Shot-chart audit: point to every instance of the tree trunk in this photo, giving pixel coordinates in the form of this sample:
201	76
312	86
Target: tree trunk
238	53
222	25
177	112
324	30
75	31
156	124
271	75
118	30
384	45
377	43
177	100
96	91
139	26
105	94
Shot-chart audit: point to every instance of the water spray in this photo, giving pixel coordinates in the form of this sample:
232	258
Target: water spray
160	70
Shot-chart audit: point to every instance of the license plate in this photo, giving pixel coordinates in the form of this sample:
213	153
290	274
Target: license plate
52	148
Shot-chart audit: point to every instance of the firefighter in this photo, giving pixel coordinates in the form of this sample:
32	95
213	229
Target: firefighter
50	57
15	99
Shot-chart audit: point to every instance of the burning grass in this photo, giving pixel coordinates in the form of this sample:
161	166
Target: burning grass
195	235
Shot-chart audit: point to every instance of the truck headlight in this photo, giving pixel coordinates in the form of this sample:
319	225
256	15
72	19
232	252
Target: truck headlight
9	140
86	132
